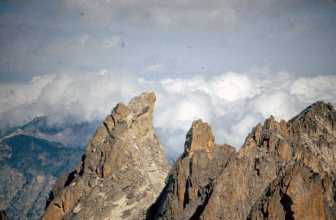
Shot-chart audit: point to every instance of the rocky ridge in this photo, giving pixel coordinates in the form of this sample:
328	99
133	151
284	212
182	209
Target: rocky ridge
284	170
121	172
192	179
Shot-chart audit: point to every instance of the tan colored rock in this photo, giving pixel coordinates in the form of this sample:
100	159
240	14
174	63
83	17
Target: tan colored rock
199	137
297	194
284	150
122	170
191	180
283	171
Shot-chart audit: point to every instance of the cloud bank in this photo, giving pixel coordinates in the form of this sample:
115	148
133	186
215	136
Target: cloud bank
74	60
232	103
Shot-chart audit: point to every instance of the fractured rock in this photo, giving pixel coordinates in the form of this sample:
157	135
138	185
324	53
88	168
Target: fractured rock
193	177
284	170
121	172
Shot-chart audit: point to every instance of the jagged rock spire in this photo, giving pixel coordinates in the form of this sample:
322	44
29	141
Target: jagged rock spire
121	172
192	179
199	137
284	170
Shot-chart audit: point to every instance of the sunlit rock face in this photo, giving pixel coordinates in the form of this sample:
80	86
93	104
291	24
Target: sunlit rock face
193	177
121	173
284	170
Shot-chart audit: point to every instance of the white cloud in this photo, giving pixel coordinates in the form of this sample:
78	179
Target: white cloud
314	88
278	104
177	111
232	103
242	128
14	98
232	87
228	86
83	96
181	86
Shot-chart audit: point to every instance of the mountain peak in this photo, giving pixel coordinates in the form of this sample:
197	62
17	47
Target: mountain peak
122	164
317	109
139	108
191	180
317	119
322	105
143	103
199	137
280	165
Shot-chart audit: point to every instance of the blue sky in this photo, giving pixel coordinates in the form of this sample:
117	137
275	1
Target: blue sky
231	63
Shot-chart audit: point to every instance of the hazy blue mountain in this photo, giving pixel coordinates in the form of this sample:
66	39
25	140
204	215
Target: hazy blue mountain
29	165
69	134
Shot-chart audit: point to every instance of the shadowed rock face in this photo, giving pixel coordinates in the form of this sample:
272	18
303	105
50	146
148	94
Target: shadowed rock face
284	170
122	170
3	215
192	179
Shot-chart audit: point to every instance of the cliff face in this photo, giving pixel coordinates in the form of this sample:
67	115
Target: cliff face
306	189
284	170
121	172
192	179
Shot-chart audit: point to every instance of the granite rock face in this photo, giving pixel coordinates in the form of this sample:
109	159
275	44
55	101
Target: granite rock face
284	170
121	173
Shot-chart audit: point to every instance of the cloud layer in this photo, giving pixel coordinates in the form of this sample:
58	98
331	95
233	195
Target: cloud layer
74	60
232	103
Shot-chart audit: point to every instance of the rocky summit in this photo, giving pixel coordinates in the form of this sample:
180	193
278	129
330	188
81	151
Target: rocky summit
284	170
192	179
121	173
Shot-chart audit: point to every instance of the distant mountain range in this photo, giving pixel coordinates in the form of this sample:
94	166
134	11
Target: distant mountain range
32	157
75	135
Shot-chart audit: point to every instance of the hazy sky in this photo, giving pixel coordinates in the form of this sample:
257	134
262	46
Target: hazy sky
231	63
